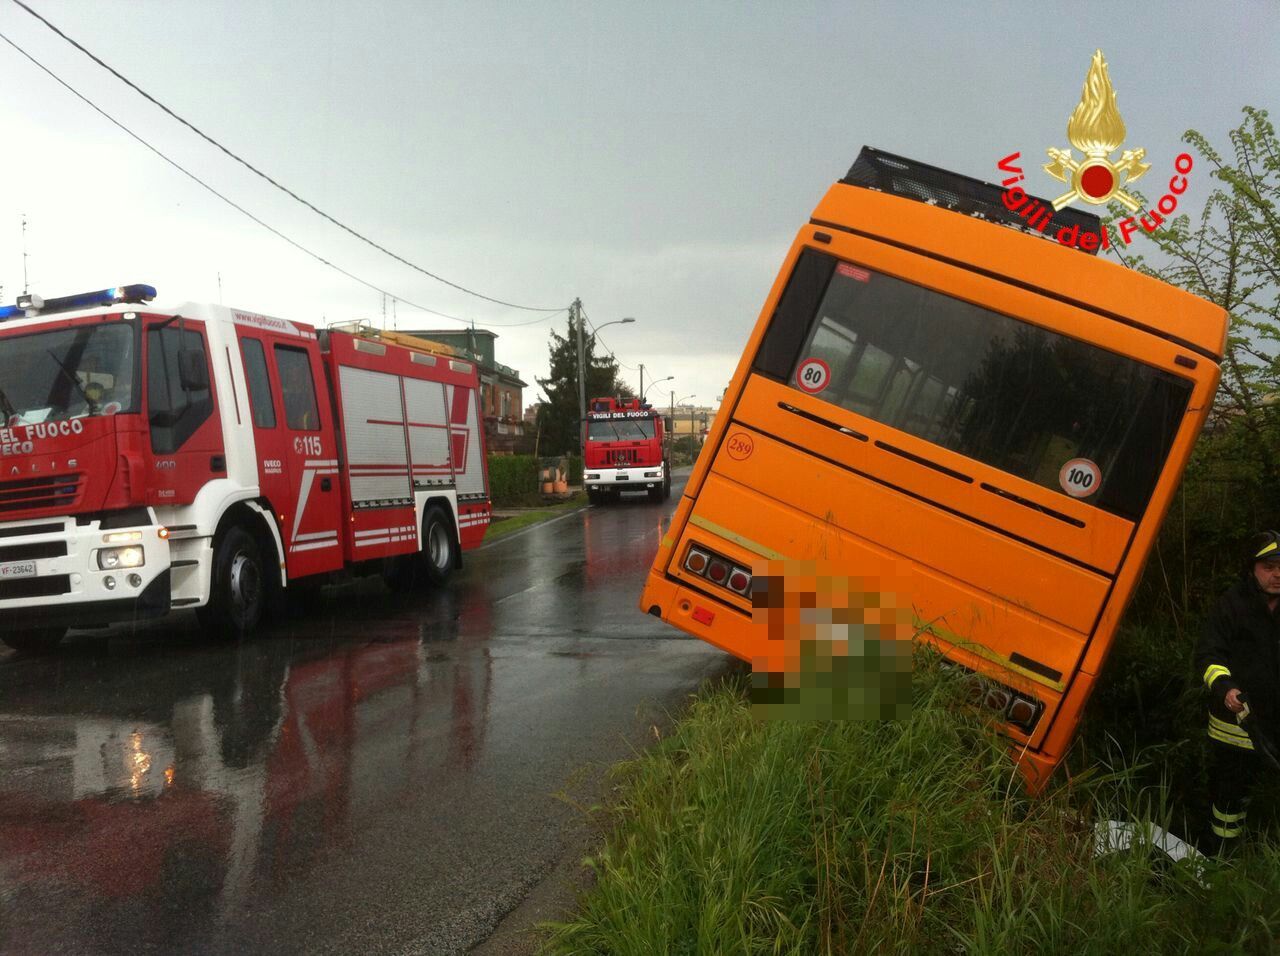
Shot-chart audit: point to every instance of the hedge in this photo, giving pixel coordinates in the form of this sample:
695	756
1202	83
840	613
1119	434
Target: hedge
512	478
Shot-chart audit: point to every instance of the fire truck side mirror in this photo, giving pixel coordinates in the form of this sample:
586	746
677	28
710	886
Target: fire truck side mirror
192	371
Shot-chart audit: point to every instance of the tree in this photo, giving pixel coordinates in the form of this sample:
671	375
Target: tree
1232	258
558	416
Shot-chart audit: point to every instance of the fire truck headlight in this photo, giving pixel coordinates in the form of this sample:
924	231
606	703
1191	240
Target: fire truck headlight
110	559
653	474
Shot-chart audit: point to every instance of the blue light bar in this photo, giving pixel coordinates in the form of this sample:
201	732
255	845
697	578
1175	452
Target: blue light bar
31	306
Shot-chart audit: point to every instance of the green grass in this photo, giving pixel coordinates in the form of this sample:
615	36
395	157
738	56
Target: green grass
740	836
517	522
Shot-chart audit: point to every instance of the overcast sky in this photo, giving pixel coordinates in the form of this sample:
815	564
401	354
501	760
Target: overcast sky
654	159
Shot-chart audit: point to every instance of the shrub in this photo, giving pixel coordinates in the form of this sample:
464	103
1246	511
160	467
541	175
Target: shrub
512	479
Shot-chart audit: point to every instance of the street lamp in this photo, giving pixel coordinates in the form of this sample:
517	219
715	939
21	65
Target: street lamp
576	312
652	383
693	441
674	403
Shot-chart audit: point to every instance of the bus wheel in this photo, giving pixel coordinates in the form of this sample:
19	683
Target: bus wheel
42	641
237	594
439	545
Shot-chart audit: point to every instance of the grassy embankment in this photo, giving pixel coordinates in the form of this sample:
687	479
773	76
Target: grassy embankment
735	835
523	519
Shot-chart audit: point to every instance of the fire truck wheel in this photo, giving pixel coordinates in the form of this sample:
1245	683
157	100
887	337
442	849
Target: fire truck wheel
237	595
593	496
43	641
440	552
666	483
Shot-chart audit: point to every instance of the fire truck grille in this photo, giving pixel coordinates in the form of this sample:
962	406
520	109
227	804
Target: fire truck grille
33	494
623	456
26	552
35	587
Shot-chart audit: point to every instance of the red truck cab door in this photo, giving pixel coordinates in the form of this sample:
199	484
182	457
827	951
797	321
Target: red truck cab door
297	451
185	428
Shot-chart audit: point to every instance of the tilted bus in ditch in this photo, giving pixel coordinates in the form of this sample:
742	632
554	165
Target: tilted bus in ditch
197	456
933	397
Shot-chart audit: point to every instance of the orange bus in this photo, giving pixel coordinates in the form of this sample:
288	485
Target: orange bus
939	395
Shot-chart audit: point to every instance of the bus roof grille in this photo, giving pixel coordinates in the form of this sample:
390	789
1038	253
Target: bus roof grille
887	173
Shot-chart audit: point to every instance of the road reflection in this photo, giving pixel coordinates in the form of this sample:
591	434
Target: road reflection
373	772
234	773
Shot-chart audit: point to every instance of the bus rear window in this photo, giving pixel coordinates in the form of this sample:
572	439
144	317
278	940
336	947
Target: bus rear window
620	429
1005	392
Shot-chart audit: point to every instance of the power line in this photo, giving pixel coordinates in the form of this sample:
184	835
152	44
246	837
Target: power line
257	172
272	229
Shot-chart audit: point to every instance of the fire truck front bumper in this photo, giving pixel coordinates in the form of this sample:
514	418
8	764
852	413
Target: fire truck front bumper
630	478
58	572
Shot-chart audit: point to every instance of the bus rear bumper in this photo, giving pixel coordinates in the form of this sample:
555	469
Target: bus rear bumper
698	615
732	631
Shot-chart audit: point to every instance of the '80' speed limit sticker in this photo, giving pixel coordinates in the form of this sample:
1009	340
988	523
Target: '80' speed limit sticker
813	375
1080	477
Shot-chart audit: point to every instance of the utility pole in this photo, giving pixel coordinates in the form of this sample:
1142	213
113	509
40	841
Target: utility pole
575	316
642	383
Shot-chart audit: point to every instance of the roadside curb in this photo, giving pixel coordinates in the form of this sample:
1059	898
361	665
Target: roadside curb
507	536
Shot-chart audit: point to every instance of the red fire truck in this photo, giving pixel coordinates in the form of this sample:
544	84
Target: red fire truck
206	457
627	450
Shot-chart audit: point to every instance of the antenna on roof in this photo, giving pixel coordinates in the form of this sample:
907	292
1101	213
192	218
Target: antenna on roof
25	257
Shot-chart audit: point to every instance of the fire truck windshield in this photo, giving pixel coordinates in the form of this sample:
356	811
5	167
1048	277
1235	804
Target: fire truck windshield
620	429
69	373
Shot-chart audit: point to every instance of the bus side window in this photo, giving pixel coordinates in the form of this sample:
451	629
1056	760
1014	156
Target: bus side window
297	389
255	374
174	412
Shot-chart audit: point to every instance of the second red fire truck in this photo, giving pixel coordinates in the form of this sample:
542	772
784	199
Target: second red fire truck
627	450
207	457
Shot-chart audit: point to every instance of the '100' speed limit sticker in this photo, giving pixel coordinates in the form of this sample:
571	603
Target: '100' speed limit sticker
1080	477
813	375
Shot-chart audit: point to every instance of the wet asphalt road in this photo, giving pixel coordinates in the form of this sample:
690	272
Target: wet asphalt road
376	774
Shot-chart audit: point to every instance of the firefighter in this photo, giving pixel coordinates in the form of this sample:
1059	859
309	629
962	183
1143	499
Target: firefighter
1238	658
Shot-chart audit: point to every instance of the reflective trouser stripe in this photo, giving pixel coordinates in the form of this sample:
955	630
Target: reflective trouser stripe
1245	744
1229	733
1213	672
1227	833
1230	817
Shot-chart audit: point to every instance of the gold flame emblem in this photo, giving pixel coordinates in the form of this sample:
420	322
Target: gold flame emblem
1096	129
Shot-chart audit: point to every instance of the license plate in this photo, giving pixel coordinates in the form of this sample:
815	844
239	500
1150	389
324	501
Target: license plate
17	569
620	476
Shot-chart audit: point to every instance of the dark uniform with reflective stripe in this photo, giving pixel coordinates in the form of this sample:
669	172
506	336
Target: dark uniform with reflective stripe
1239	648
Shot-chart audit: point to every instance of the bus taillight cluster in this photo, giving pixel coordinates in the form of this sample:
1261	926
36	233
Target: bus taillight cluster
1018	709
718	570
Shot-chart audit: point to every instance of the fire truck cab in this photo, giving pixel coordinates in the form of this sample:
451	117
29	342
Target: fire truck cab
204	457
627	449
